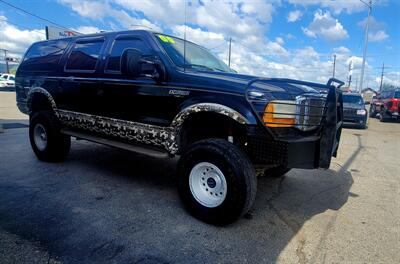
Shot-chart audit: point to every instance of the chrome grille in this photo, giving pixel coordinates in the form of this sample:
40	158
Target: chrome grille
349	111
310	110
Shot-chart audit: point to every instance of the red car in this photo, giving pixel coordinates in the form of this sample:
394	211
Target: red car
387	105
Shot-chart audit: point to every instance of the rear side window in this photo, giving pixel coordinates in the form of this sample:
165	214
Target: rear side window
44	56
84	55
396	95
119	45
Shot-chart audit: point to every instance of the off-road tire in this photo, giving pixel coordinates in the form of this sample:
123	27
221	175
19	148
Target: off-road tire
240	178
58	144
276	172
382	116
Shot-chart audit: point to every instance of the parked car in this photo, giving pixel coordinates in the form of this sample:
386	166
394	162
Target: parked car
354	111
390	105
6	84
139	90
9	80
375	106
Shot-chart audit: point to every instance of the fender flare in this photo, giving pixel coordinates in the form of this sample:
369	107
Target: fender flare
40	90
208	107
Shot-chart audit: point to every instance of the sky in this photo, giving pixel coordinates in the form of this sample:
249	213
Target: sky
270	38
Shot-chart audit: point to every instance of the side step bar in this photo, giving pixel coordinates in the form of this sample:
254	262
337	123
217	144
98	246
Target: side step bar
117	144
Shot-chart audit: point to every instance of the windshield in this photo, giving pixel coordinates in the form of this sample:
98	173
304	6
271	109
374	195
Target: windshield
196	56
353	99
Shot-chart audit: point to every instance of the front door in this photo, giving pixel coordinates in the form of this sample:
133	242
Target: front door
135	99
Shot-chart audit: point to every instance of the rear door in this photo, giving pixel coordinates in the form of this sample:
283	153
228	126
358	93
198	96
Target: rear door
80	83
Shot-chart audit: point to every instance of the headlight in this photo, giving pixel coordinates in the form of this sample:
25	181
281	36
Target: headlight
280	113
305	113
361	112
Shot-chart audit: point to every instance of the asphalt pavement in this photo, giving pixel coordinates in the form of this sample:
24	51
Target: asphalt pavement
104	205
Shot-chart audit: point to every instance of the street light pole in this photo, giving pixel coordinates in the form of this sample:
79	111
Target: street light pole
365	44
334	65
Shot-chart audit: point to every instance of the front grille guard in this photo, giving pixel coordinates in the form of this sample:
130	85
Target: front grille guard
331	119
310	111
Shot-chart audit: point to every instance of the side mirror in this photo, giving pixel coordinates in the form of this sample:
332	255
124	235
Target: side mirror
130	62
133	64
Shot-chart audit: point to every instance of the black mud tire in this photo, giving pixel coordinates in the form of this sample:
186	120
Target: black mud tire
276	172
383	116
58	144
240	178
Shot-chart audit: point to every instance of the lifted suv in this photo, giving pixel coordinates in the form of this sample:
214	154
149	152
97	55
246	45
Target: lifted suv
389	105
159	96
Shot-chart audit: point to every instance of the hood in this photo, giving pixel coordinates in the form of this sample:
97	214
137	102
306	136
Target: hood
238	83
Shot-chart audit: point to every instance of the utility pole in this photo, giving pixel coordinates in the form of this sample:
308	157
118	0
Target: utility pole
365	44
334	65
230	50
383	68
350	71
5	58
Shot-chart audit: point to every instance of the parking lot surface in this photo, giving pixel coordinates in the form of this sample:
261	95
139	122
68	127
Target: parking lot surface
111	206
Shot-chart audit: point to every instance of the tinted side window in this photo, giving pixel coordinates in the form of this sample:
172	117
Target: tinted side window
84	55
44	56
118	48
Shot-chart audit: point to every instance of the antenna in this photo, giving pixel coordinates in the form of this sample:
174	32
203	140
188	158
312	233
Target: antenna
184	41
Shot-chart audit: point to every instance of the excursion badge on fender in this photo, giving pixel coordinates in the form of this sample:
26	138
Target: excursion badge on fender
178	92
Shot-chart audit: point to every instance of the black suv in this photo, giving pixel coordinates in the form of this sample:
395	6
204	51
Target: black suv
354	111
162	96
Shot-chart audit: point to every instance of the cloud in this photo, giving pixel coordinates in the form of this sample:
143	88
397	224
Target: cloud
205	38
378	36
376	29
293	16
325	26
234	18
17	40
101	10
336	6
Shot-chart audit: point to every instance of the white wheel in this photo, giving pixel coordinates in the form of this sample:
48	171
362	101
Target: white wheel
40	137
208	184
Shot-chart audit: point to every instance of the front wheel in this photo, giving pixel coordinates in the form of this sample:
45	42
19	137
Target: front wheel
46	139
216	181
383	117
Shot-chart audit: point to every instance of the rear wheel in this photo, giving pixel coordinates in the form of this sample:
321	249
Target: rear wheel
46	139
216	181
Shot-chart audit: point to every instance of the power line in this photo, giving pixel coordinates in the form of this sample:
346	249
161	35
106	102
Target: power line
31	14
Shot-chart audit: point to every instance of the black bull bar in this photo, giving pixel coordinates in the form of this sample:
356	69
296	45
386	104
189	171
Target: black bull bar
332	125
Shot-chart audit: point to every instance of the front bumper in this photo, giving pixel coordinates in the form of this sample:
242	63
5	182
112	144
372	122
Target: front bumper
310	151
299	153
360	120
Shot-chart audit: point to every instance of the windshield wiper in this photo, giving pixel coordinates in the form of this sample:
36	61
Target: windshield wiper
191	65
